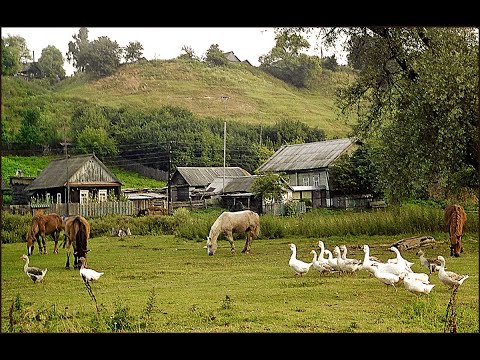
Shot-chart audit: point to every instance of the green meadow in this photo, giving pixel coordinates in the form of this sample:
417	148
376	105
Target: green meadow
168	284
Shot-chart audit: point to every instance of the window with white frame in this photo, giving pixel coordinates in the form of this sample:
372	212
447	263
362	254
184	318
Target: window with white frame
48	197
83	196
316	180
102	195
59	198
306	181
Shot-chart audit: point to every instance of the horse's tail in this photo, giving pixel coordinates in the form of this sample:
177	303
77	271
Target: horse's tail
81	235
255	229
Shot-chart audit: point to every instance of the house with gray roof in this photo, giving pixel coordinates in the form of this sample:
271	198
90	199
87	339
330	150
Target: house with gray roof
306	167
85	176
191	182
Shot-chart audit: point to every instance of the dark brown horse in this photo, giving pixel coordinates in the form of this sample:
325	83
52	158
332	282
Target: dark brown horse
41	226
77	233
455	219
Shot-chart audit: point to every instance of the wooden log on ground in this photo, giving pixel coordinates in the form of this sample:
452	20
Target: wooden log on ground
414	242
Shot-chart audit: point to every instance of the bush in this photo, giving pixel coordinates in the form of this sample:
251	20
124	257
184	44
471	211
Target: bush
15	227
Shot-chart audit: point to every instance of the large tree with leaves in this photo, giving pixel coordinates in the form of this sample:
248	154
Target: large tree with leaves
416	98
287	62
51	64
15	54
78	50
103	57
133	51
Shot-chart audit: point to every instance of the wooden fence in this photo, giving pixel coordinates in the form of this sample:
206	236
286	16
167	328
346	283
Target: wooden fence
95	209
281	208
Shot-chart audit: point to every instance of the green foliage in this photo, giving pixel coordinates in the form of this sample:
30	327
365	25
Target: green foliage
91	140
355	173
78	50
419	107
270	186
51	63
286	62
330	63
133	51
10	65
215	56
14	227
103	57
188	54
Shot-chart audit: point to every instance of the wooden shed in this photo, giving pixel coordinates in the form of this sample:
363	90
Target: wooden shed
19	184
190	182
85	175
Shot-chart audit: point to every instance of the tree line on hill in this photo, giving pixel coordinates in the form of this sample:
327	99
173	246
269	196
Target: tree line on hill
102	57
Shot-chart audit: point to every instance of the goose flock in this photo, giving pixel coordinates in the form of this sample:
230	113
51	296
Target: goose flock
390	272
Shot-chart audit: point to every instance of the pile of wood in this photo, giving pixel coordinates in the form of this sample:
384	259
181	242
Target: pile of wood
415	242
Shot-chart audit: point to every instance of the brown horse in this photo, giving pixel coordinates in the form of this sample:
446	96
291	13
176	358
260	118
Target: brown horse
41	226
77	233
455	219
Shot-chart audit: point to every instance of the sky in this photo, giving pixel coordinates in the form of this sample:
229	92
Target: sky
163	43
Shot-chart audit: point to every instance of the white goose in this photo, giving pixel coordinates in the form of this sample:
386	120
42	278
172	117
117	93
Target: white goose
343	248
416	286
331	260
400	260
431	264
449	278
321	266
367	260
34	273
387	278
346	266
88	275
300	267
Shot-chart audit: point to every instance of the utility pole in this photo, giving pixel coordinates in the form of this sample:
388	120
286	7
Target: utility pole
169	190
224	152
65	144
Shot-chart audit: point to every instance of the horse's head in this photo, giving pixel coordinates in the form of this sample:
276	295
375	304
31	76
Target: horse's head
211	247
30	243
455	246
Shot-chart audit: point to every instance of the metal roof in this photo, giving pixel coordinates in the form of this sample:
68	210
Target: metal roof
232	184
315	155
202	176
55	174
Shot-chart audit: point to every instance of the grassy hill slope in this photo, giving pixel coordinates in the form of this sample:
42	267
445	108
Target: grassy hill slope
237	91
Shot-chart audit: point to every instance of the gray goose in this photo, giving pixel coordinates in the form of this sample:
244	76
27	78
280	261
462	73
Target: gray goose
34	273
431	264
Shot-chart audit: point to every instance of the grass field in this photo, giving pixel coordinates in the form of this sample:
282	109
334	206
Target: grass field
166	284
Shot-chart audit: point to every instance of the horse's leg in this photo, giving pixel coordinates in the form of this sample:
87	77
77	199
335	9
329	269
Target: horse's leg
39	242
56	235
232	243
246	248
67	264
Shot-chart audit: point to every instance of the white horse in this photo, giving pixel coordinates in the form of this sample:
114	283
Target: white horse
227	223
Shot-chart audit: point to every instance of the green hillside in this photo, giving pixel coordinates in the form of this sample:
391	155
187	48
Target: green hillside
237	91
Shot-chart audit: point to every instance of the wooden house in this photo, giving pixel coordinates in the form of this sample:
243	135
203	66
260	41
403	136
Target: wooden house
85	176
237	193
190	183
307	168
